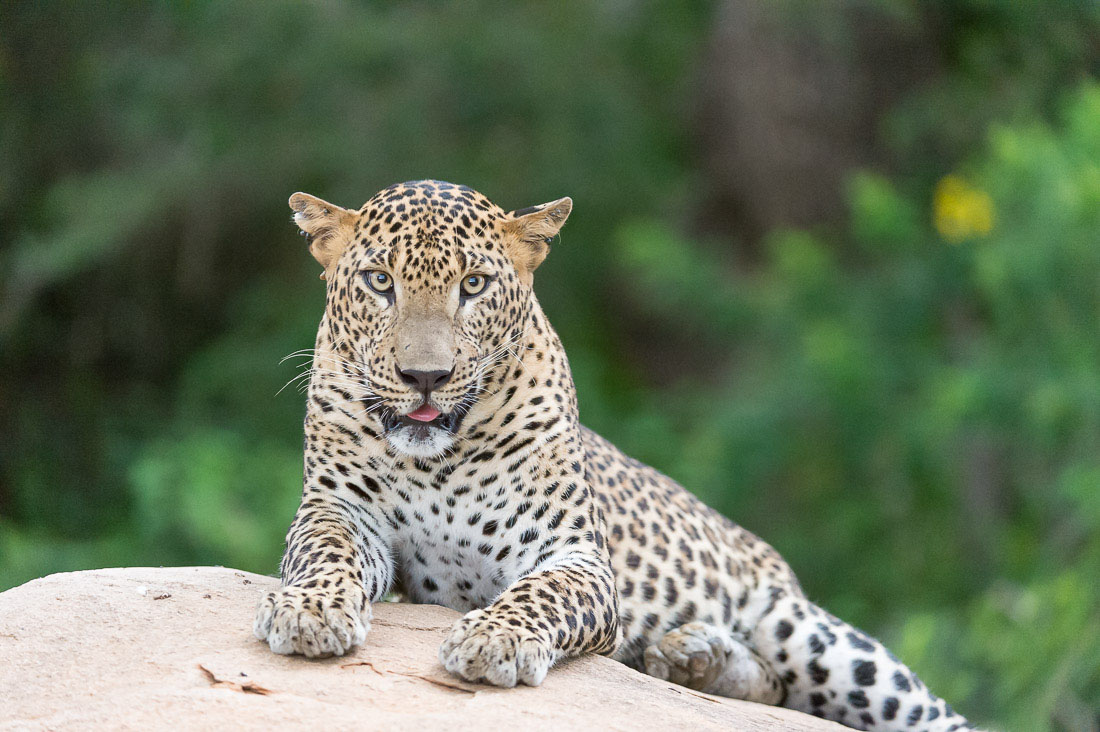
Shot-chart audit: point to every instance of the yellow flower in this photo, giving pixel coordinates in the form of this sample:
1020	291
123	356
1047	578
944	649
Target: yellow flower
960	211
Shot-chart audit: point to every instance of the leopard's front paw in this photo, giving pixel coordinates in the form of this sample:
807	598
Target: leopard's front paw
485	647
312	622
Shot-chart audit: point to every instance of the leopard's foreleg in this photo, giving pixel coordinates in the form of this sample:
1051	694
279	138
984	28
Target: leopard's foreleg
337	562
565	609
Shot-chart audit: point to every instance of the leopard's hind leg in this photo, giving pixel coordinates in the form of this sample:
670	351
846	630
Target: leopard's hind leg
708	658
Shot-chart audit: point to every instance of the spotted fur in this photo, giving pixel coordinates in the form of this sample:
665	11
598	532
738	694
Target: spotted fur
551	541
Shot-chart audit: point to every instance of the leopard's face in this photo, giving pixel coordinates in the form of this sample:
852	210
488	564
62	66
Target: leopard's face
429	285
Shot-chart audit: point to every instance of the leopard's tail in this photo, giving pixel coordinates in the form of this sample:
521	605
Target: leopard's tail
835	671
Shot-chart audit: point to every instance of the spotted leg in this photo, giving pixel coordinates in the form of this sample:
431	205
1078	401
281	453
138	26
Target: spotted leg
565	610
335	564
708	658
835	671
566	604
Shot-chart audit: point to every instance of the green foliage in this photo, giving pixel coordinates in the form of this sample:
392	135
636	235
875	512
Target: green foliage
153	280
938	406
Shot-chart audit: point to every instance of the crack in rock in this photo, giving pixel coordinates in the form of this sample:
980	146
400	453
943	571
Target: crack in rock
446	684
247	687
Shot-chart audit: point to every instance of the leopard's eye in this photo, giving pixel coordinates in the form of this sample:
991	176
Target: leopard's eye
380	282
474	285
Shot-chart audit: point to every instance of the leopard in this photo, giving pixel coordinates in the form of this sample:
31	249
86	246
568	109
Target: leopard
444	460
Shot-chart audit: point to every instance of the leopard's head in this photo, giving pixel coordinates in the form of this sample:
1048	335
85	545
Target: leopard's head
429	288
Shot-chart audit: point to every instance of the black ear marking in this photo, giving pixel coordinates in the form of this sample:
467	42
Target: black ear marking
524	211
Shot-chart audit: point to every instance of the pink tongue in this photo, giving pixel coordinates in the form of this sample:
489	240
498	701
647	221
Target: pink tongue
424	414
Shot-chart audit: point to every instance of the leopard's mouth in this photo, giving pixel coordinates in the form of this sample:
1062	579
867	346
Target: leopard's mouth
448	422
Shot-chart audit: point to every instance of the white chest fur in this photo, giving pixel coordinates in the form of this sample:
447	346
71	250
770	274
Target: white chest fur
461	547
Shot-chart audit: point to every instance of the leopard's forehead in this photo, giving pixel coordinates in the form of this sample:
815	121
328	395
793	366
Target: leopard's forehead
431	205
433	192
430	226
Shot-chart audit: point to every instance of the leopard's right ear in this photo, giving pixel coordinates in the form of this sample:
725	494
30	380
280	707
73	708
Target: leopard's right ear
327	227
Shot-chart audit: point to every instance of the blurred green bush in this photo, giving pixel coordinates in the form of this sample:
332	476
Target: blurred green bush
906	405
934	408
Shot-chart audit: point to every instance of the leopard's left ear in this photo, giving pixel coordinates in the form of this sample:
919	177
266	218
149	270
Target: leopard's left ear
528	232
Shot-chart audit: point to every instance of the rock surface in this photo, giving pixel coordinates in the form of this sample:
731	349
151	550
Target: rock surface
146	648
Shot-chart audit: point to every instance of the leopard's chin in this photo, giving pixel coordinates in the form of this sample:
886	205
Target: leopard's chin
420	441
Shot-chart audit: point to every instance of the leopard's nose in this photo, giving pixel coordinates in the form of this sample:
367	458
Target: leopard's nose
425	381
